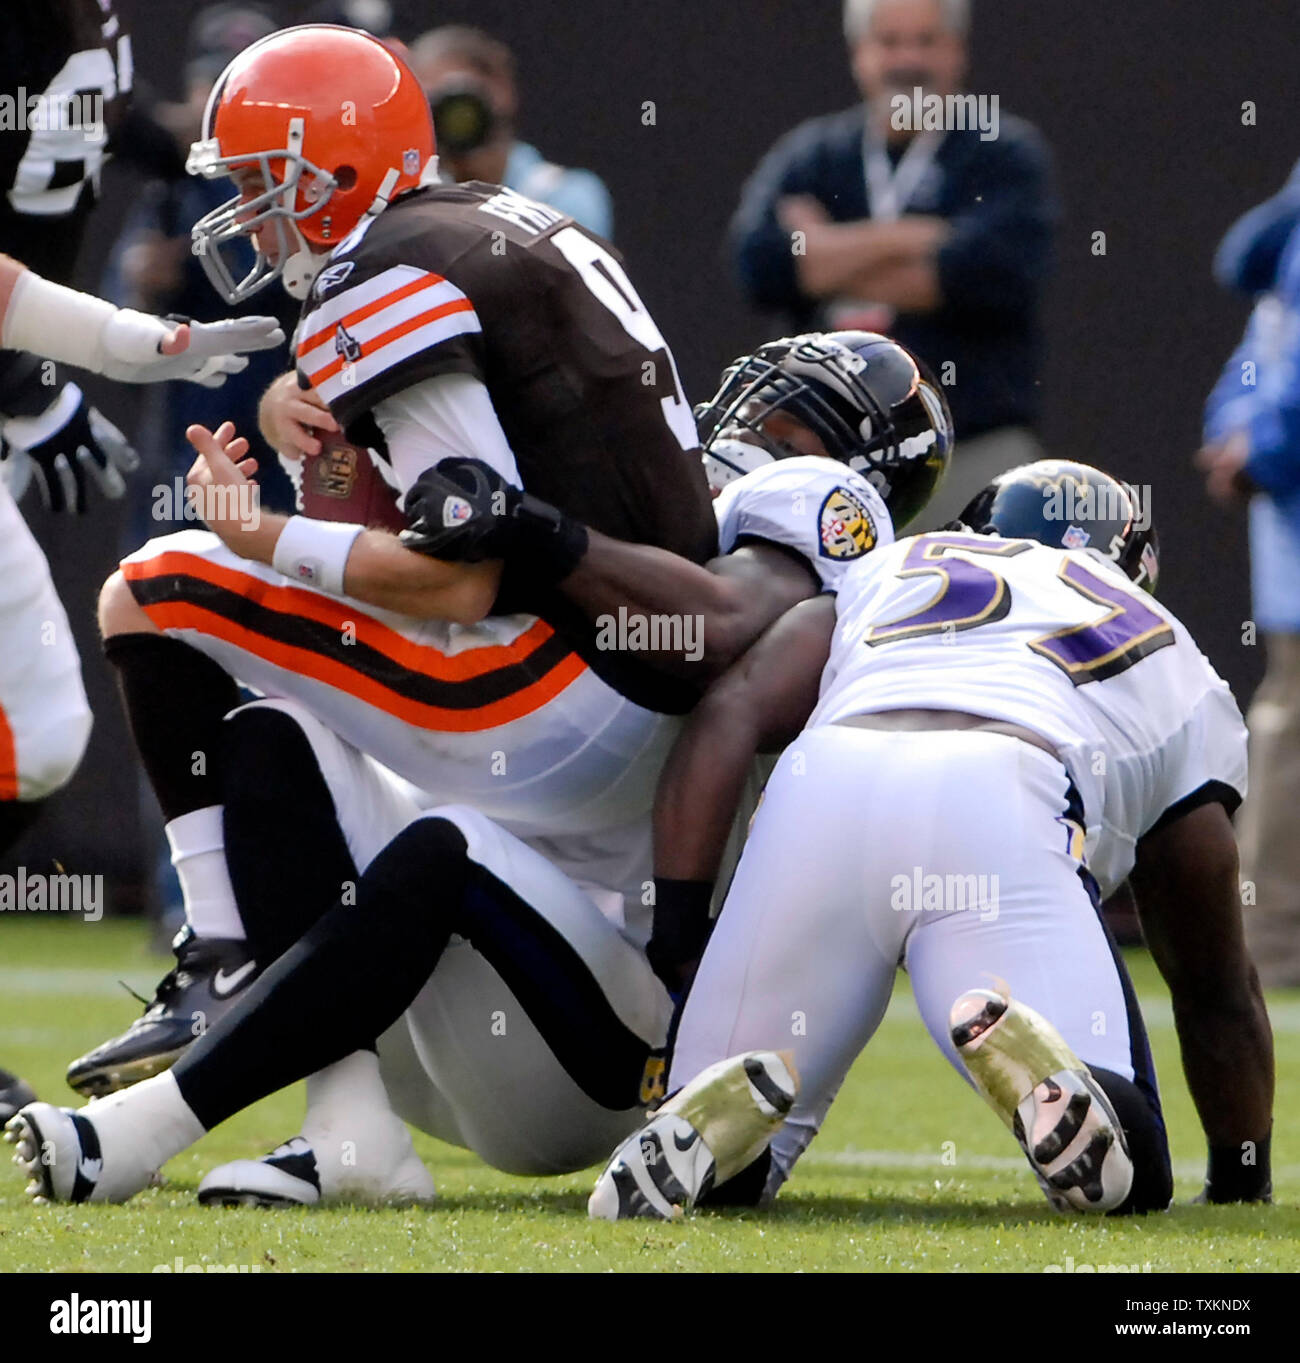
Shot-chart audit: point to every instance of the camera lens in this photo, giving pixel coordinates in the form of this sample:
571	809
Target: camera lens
462	119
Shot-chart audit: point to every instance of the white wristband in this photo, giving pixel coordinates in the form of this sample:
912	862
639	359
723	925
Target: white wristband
57	323
315	552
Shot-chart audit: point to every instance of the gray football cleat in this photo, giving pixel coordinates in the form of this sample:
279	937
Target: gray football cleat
705	1134
1029	1076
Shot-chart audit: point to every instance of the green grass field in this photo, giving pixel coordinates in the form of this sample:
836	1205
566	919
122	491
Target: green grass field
881	1189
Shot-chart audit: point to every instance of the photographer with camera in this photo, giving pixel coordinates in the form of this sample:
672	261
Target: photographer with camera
470	80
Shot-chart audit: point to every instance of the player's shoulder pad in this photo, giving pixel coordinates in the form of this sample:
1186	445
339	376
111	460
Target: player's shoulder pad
818	507
360	323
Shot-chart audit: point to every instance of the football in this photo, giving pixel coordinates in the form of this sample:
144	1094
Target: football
344	483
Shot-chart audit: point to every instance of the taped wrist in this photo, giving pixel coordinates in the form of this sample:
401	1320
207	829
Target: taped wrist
1240	1173
56	322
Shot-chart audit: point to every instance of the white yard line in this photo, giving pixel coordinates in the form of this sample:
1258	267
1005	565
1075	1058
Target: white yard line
922	1159
84	980
1283	1012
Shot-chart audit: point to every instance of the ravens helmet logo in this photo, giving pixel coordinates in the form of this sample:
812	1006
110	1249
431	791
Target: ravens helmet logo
847	530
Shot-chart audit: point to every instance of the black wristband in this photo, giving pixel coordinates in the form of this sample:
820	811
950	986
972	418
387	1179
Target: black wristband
554	544
681	921
22	390
1240	1173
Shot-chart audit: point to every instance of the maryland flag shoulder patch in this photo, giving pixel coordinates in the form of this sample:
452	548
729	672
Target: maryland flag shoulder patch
846	527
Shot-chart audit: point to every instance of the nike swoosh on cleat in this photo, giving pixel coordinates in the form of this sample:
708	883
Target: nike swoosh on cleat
687	1144
90	1162
297	1163
224	985
1057	1140
660	1171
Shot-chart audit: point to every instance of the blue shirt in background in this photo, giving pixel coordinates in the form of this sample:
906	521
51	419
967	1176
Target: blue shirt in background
579	193
1259	392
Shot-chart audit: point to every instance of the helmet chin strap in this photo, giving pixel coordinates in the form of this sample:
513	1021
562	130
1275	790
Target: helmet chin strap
301	266
725	460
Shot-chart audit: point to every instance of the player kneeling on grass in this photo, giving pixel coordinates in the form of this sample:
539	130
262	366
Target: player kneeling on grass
1014	723
786	454
582	1014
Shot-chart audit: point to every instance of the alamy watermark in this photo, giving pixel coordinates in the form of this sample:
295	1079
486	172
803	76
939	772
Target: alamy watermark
77	1315
182	1267
80	111
1071	1267
929	892
36	892
632	632
922	112
208	503
1079	503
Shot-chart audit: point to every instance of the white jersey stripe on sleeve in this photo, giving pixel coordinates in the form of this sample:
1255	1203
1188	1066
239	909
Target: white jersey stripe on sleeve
438	300
361	304
391	347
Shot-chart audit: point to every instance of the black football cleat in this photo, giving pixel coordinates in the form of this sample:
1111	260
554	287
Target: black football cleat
210	974
14	1093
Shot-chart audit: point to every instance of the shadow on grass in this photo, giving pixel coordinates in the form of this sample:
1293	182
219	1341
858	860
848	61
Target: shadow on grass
820	1211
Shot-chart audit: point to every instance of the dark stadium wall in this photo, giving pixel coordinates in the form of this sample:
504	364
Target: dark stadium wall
1140	99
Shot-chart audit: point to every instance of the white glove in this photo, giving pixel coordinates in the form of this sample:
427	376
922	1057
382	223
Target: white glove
77	328
130	342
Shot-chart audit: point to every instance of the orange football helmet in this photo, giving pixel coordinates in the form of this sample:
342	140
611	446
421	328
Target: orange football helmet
337	125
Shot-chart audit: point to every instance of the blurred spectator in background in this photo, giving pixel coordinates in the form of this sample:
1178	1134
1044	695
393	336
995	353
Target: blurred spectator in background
1252	449
152	268
470	80
371	16
940	238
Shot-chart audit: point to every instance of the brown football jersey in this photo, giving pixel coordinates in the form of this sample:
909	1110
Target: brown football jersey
476	279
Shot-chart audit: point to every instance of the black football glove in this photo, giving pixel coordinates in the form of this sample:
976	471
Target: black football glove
66	442
464	511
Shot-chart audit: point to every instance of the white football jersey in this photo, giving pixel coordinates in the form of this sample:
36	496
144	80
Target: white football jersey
818	507
1057	641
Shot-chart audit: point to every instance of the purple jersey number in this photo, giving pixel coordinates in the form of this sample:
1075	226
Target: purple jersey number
971	595
1128	632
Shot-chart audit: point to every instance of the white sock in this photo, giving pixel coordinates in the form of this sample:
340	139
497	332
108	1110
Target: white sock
353	1131
140	1129
199	855
341	1093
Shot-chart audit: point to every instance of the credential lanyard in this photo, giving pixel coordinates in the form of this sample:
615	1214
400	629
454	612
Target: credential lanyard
890	188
